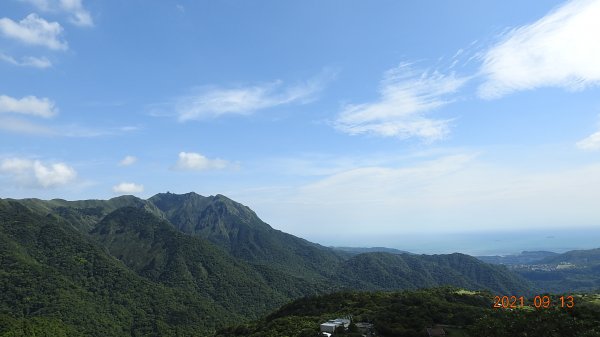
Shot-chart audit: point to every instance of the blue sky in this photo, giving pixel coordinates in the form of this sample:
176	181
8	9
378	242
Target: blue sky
371	119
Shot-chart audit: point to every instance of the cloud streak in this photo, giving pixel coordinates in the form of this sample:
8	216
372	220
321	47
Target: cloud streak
34	30
590	143
405	98
27	61
213	102
559	50
455	192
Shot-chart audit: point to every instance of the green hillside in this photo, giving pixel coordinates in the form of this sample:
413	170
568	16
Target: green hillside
524	257
182	265
577	270
85	214
54	278
239	230
409	313
351	251
155	250
380	271
582	258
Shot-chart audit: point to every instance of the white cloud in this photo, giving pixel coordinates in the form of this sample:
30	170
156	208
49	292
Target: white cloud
559	50
591	143
35	31
439	194
128	188
212	102
376	183
190	161
28	105
27	61
128	160
78	14
34	173
405	97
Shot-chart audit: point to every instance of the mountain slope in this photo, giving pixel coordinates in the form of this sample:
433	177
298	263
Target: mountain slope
154	249
378	271
85	214
132	262
577	270
55	279
522	258
239	230
352	251
589	257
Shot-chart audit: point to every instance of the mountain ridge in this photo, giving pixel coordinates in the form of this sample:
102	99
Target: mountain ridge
229	263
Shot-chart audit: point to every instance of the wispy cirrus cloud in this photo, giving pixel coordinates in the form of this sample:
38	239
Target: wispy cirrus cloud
559	50
437	192
213	102
191	161
34	30
590	143
405	97
37	174
78	15
27	61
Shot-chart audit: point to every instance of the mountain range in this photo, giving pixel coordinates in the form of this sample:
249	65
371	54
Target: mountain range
179	265
525	257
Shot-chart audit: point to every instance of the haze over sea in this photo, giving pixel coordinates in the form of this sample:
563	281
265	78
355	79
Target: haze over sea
473	243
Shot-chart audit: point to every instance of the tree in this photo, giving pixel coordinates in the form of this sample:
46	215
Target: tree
307	333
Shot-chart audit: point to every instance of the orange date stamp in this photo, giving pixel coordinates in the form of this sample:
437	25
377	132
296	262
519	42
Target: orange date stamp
538	302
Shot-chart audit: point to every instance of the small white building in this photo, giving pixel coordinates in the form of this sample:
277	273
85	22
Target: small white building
330	325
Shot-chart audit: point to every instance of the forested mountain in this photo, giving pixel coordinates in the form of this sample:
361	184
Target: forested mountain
351	251
85	214
406	271
153	249
525	257
582	258
239	230
577	270
182	265
57	281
